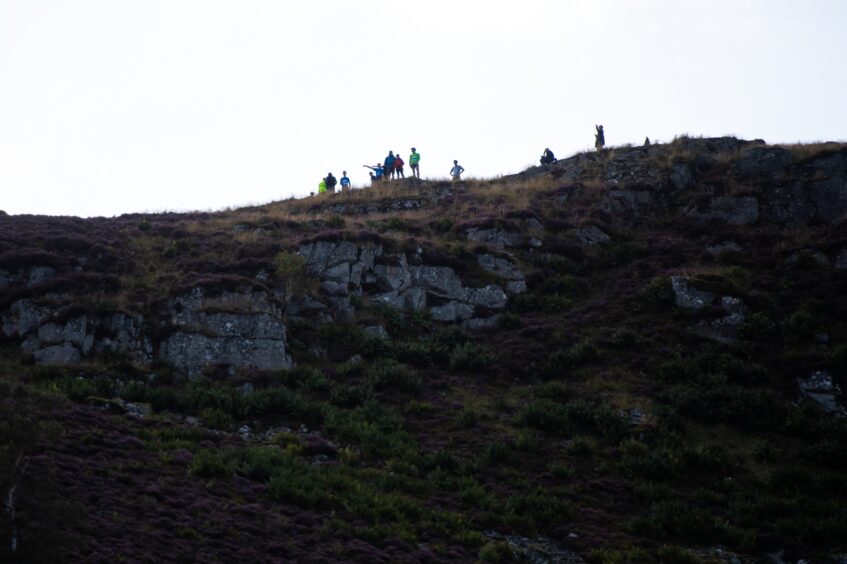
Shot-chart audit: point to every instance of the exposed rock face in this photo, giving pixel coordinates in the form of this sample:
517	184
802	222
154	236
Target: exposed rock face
243	330
406	282
681	176
724	248
627	202
505	269
830	194
687	297
735	211
26	277
792	205
768	162
496	237
725	329
820	388
590	235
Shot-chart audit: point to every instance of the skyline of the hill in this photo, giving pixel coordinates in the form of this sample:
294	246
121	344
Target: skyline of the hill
120	108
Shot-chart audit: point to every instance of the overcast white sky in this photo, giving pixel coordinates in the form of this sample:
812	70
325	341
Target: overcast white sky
116	106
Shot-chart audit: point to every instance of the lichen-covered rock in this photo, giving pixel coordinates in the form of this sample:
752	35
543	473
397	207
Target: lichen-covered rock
441	281
192	352
377	331
505	269
496	237
491	297
23	316
591	235
792	205
123	333
725	329
723	248
451	311
65	353
681	176
627	202
734	210
830	193
243	330
687	297
822	389
763	162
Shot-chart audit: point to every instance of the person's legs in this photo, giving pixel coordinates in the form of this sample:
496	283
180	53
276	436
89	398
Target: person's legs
400	173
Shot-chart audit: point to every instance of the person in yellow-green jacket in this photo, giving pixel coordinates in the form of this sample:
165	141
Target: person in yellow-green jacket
322	187
414	159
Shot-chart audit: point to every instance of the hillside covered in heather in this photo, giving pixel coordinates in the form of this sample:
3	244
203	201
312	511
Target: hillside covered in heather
628	356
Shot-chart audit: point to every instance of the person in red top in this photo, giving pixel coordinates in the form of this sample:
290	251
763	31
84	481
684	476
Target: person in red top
398	166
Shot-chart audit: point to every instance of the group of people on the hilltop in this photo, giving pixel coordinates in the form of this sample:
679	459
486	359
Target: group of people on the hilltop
328	183
391	168
548	157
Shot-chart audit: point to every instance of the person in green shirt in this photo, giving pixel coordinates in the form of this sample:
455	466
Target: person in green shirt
414	159
322	187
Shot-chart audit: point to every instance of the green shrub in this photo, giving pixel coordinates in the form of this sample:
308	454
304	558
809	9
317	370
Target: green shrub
336	222
390	374
496	552
216	419
471	356
211	464
657	294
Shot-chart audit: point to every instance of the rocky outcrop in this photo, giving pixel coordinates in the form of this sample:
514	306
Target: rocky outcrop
590	235
495	237
733	210
821	389
505	269
830	192
763	162
404	281
241	330
687	297
27	278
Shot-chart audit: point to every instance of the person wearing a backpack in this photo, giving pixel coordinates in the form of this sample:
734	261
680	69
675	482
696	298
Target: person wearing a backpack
389	165
330	183
345	182
414	159
398	166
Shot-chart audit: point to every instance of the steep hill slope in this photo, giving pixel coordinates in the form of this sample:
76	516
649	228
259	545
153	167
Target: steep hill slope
628	356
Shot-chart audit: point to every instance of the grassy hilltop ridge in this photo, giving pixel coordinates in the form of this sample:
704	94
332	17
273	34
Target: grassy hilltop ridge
661	383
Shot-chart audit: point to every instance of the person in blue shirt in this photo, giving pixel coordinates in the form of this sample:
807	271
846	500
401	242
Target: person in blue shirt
345	182
377	173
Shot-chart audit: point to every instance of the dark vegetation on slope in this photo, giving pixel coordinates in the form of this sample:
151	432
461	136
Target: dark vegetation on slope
596	413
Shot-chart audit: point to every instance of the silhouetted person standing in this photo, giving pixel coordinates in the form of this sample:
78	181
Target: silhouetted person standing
389	165
599	138
456	171
414	159
398	166
646	141
330	183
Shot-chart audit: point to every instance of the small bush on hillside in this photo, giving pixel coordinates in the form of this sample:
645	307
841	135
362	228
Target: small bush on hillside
216	419
336	222
656	295
471	356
